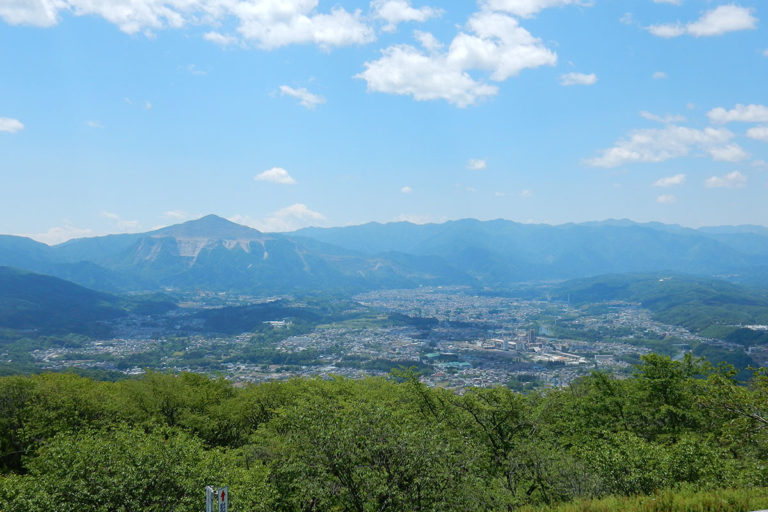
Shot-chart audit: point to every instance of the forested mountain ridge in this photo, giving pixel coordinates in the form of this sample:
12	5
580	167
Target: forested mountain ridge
502	252
696	303
45	305
216	254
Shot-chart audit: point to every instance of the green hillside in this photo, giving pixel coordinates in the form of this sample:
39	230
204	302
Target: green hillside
697	303
47	304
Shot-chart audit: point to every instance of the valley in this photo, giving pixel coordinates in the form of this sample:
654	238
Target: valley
464	303
454	337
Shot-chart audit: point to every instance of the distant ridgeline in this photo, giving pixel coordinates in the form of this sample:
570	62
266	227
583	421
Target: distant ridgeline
214	254
675	437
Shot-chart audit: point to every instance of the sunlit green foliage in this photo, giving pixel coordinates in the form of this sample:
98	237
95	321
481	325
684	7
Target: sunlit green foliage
673	434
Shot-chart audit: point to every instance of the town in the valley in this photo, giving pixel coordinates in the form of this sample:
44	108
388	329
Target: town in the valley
453	337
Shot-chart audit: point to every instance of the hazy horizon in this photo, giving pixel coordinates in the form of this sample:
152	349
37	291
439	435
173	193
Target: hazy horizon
234	220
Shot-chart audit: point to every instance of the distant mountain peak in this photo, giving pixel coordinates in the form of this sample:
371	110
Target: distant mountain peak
212	217
211	221
210	226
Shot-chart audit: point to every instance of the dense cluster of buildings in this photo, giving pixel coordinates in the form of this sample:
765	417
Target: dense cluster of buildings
474	341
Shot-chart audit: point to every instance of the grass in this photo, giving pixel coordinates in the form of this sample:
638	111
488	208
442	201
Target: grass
725	500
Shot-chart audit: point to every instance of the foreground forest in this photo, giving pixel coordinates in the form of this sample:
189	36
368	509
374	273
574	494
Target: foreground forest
678	435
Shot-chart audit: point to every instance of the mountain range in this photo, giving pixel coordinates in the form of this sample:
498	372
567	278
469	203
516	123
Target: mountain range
499	253
215	254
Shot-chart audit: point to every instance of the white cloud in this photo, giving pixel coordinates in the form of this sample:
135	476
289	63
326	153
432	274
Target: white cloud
498	44
306	98
405	70
176	215
476	164
673	2
667	31
406	190
526	194
758	133
147	105
718	21
10	125
728	153
395	12
493	42
417	219
739	113
722	19
759	163
275	23
122	225
670	181
670	119
578	79
192	69
627	19
765	53
60	234
527	8
268	23
659	75
276	175
428	41
220	39
94	124
731	180
289	218
666	199
661	144
40	13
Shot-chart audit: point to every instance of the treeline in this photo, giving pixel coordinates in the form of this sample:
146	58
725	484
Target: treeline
153	443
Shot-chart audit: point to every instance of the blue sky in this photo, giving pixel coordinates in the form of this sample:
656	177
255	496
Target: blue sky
119	116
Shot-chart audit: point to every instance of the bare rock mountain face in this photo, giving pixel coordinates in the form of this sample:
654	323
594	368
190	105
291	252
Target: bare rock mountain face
215	254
